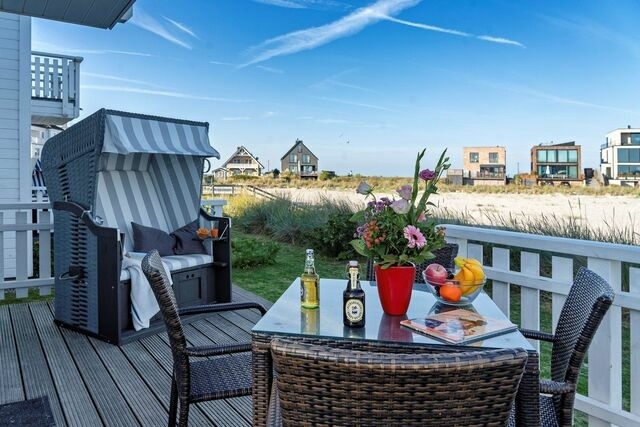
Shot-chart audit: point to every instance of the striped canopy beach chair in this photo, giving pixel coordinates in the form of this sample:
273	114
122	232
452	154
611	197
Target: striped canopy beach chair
106	172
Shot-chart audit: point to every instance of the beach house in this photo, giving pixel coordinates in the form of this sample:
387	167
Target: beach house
300	161
620	157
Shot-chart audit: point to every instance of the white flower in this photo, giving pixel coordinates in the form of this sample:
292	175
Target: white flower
363	188
400	206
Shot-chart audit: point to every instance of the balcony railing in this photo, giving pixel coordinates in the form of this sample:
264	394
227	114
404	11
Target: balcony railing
56	78
544	276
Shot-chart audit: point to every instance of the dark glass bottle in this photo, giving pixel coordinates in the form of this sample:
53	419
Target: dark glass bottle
353	314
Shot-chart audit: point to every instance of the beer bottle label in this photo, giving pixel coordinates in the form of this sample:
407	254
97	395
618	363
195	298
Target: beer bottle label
354	309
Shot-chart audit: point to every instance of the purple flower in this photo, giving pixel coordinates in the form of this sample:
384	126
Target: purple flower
415	237
386	201
364	188
427	174
400	206
405	192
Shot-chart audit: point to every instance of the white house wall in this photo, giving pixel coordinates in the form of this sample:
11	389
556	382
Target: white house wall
15	120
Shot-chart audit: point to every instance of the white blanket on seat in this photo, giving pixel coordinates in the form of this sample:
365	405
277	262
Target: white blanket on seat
143	302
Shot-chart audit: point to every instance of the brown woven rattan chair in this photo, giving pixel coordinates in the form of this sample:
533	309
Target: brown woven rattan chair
443	256
327	385
228	375
588	301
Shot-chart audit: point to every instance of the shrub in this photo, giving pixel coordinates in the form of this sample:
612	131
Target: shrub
250	252
332	239
326	175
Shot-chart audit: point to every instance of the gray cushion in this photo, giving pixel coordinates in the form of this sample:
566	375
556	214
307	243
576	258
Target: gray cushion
146	239
187	241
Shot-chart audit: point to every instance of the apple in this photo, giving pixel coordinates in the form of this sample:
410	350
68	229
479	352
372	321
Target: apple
435	273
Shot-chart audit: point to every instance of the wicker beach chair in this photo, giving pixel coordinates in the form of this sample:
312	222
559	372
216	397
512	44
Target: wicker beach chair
106	172
327	385
588	301
443	256
225	376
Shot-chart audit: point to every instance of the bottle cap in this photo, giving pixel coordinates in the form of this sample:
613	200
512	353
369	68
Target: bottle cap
309	251
353	263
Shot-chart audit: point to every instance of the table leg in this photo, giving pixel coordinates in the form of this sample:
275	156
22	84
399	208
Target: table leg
262	377
528	397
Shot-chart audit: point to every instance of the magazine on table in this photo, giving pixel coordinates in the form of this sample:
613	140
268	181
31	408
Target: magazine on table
459	326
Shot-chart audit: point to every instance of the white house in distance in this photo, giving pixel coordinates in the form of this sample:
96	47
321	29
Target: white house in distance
242	162
620	157
38	87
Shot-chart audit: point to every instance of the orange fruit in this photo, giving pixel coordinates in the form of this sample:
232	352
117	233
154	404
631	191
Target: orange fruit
450	293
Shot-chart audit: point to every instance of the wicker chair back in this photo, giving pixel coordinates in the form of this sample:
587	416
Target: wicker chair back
589	299
326	385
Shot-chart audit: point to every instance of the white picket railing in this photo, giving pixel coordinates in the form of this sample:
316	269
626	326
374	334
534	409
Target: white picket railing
603	404
16	228
56	77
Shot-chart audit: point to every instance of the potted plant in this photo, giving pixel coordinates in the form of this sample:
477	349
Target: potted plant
399	233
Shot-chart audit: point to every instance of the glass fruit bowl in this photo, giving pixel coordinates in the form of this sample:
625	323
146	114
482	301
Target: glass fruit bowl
455	292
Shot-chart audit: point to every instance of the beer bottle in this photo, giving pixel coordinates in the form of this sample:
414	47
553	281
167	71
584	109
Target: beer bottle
309	283
353	299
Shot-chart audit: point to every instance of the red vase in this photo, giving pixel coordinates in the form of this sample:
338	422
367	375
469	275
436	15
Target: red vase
394	288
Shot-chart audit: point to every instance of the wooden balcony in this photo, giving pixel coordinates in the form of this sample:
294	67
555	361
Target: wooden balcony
55	88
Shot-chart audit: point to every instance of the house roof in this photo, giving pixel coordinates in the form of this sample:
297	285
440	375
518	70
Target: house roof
248	153
298	141
95	13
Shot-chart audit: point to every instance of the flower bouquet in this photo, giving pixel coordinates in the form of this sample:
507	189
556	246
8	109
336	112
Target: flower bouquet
398	233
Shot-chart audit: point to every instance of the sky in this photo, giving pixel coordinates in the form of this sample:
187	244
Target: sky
367	84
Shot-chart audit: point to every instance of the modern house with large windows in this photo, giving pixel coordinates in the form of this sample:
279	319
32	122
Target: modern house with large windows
484	165
620	157
300	161
557	164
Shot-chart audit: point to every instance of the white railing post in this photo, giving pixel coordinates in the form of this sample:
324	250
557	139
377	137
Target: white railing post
44	250
605	364
530	298
634	357
562	271
500	290
21	253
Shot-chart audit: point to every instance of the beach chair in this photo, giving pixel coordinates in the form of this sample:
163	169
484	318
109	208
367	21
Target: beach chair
106	172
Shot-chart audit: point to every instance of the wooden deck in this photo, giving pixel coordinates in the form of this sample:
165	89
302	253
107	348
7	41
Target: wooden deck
92	383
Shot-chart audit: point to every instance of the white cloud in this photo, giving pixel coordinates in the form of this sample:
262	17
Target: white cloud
304	4
222	63
48	47
269	69
147	22
358	104
170	94
182	27
119	79
292	4
500	40
311	38
235	119
268	114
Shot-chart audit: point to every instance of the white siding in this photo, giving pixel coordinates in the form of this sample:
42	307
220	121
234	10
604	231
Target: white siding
15	120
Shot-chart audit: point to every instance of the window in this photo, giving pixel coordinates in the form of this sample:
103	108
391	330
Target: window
573	172
551	156
572	156
306	158
474	157
632	170
562	156
493	157
307	168
542	155
635	139
293	158
629	155
293	168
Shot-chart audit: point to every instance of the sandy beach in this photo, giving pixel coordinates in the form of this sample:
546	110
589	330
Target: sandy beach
596	212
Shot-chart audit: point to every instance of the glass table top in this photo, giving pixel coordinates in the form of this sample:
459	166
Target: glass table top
286	317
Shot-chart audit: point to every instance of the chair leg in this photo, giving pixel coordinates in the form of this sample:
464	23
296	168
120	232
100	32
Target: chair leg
183	417
173	403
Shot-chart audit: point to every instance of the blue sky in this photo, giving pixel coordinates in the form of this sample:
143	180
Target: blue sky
367	84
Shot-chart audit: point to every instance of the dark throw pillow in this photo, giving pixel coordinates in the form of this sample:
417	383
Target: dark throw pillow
149	238
187	241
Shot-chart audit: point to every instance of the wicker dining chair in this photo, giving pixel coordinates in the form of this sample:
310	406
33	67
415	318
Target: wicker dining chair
319	384
443	256
222	377
589	299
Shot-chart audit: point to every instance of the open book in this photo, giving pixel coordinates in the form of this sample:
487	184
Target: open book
459	326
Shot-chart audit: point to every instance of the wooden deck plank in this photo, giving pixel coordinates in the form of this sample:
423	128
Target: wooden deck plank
34	369
142	401
110	404
11	390
75	399
159	351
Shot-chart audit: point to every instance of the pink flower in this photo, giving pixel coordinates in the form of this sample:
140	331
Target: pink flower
414	236
422	217
427	174
405	192
400	206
